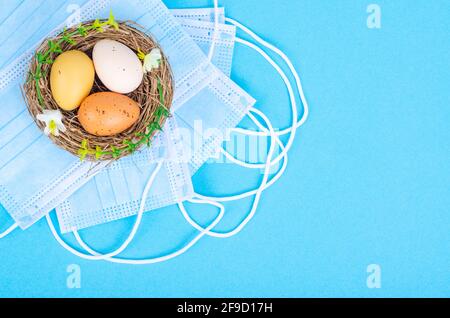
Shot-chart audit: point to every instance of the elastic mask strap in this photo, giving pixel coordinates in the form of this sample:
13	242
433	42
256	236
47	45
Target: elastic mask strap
130	236
244	164
292	131
294	72
138	261
8	231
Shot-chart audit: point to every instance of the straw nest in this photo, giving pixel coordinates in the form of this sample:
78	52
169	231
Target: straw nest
155	91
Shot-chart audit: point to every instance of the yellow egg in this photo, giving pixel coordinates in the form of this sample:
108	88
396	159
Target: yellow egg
71	79
108	114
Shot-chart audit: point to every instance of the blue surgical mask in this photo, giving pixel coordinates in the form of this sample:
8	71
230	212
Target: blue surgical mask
55	174
115	193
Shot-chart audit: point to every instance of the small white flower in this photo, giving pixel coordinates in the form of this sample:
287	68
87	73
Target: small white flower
152	60
53	122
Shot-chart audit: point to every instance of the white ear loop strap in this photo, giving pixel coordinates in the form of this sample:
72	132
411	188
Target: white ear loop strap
272	181
254	165
133	231
168	256
8	231
292	131
258	193
136	261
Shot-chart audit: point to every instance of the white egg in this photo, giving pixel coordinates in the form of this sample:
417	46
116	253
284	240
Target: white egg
117	66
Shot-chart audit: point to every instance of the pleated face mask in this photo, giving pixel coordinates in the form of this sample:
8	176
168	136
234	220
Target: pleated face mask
54	174
116	191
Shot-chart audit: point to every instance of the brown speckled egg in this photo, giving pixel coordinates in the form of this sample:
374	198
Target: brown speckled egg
108	114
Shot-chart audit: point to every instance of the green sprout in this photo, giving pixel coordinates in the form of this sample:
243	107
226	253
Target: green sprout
115	152
98	152
42	59
54	47
97	25
84	150
83	31
66	37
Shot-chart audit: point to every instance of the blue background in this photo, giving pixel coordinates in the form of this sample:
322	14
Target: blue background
367	183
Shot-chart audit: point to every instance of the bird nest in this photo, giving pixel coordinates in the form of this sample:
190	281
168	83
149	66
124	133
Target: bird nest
154	95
